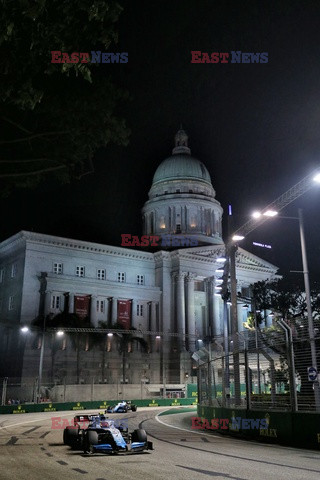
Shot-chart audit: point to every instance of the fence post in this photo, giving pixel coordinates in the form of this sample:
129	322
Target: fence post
64	388
247	370
4	391
92	388
292	373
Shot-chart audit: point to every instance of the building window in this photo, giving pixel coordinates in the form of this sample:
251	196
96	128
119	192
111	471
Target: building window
11	303
139	310
57	268
100	306
193	222
140	279
101	274
1	275
178	228
80	271
162	222
13	270
121	277
55	302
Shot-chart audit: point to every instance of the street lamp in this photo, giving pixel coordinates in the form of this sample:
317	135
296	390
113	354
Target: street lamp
316	178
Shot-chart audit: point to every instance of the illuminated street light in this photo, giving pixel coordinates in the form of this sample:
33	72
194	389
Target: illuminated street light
237	238
317	178
267	213
24	329
60	333
270	213
221	259
158	336
110	334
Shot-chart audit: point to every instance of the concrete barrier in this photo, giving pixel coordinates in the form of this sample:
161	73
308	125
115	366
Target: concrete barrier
96	405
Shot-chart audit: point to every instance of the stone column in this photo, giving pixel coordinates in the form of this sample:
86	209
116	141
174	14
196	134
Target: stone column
93	311
190	324
114	310
109	311
210	302
71	302
154	316
42	300
47	302
181	311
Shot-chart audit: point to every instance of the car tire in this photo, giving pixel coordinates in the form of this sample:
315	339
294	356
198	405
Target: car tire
133	408
139	435
92	437
71	436
65	437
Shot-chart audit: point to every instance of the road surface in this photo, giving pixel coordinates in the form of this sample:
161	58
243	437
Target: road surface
31	450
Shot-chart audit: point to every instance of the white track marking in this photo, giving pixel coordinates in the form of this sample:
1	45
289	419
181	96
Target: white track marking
36	420
186	429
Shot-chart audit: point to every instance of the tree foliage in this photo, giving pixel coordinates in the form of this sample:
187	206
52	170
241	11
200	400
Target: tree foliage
54	116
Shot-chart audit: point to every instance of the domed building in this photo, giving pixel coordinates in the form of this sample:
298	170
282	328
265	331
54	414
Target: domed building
182	199
171	296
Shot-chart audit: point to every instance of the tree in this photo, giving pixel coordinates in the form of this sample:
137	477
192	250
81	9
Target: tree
78	339
54	116
125	339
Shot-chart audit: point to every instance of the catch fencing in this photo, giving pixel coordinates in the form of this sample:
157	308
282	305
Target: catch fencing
267	369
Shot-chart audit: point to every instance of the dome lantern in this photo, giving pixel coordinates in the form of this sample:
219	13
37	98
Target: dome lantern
181	143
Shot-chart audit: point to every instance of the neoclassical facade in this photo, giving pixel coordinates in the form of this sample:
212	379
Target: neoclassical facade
171	295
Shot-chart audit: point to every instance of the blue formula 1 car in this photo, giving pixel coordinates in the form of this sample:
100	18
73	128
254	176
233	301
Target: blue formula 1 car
122	407
102	436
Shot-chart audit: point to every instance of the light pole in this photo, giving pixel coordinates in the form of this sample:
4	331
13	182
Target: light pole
309	309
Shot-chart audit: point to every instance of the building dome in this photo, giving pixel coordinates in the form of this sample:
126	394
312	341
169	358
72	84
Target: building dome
181	166
182	198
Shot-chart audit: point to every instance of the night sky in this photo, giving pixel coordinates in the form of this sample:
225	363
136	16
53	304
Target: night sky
255	126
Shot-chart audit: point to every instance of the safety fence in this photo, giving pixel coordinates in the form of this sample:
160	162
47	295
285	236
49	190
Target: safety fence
273	369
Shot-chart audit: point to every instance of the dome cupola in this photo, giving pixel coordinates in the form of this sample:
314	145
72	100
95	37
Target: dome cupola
182	199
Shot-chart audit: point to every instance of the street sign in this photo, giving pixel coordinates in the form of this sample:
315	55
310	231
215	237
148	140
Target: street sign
312	374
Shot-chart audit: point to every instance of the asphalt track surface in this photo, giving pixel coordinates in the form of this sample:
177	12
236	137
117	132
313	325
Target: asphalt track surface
31	450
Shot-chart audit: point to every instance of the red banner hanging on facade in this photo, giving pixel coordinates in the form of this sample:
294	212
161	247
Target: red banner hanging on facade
82	305
124	313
